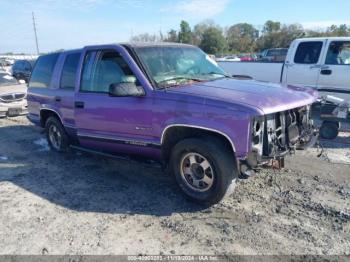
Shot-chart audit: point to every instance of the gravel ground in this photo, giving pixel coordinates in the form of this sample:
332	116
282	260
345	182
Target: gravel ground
83	204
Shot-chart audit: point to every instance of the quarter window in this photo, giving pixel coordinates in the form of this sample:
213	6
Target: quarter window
109	68
338	53
308	53
69	71
42	73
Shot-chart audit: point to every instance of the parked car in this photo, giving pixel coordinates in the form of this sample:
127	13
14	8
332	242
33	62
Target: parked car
3	65
321	63
12	96
229	59
170	102
277	55
22	69
247	57
4	62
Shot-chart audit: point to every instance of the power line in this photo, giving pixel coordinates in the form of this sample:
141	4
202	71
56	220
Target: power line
36	37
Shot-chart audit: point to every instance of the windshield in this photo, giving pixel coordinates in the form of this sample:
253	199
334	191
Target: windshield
175	65
6	80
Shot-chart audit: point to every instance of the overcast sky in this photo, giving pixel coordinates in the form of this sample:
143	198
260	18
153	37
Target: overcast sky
75	23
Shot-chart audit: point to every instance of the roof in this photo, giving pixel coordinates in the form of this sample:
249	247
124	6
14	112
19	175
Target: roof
323	38
129	44
154	44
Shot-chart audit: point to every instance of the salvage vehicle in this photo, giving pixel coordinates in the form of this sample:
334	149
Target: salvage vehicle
170	102
321	63
229	59
12	96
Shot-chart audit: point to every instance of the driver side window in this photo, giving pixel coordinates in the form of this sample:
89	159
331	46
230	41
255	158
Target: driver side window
101	69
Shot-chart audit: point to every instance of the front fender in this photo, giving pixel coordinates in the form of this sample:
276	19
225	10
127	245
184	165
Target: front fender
236	132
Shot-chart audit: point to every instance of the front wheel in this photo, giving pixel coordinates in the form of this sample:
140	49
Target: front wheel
204	169
56	136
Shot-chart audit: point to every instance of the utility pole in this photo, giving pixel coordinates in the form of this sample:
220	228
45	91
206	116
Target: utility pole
36	37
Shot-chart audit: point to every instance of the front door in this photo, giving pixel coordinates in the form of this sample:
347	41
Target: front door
105	122
335	74
305	67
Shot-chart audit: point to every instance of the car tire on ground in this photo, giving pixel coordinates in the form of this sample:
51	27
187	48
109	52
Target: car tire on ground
56	135
204	169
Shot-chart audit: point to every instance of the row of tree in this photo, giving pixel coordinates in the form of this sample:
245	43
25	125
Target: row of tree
239	38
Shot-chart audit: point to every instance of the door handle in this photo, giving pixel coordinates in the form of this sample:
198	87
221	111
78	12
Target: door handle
79	104
315	66
326	72
57	98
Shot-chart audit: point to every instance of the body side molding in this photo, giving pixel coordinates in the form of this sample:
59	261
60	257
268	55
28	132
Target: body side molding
197	127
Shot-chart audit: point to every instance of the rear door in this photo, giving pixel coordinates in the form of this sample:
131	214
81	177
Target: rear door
335	73
304	67
64	94
109	123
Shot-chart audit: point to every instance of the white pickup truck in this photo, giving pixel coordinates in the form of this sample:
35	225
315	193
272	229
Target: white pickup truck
322	63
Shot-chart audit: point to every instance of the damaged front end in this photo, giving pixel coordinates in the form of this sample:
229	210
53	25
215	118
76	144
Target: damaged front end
275	135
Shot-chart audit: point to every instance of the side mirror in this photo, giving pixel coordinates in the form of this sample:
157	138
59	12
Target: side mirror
126	89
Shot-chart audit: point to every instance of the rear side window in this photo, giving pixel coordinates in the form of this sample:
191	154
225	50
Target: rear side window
42	73
338	53
69	71
308	53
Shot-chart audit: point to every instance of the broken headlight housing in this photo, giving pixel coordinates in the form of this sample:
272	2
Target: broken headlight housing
277	134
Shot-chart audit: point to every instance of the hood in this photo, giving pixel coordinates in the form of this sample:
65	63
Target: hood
16	88
266	97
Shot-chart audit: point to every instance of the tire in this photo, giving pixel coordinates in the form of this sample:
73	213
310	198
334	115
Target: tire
329	130
215	181
56	135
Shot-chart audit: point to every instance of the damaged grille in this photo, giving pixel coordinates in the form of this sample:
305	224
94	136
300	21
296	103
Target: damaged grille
7	98
276	134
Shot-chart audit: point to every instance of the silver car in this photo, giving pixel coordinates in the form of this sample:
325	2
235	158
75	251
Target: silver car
13	96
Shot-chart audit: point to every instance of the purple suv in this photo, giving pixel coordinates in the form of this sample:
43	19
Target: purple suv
169	102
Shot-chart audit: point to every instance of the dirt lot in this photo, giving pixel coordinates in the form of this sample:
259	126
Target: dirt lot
83	204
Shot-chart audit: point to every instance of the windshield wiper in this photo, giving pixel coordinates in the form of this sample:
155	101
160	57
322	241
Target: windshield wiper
215	73
176	78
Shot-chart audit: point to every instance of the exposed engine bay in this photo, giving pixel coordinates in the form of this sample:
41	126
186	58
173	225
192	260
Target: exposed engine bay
275	135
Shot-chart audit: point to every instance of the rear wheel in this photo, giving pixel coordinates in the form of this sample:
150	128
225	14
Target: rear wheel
57	137
204	169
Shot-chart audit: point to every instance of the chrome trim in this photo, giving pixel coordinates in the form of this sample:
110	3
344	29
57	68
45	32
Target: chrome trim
198	127
45	108
64	124
125	141
70	126
13	97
